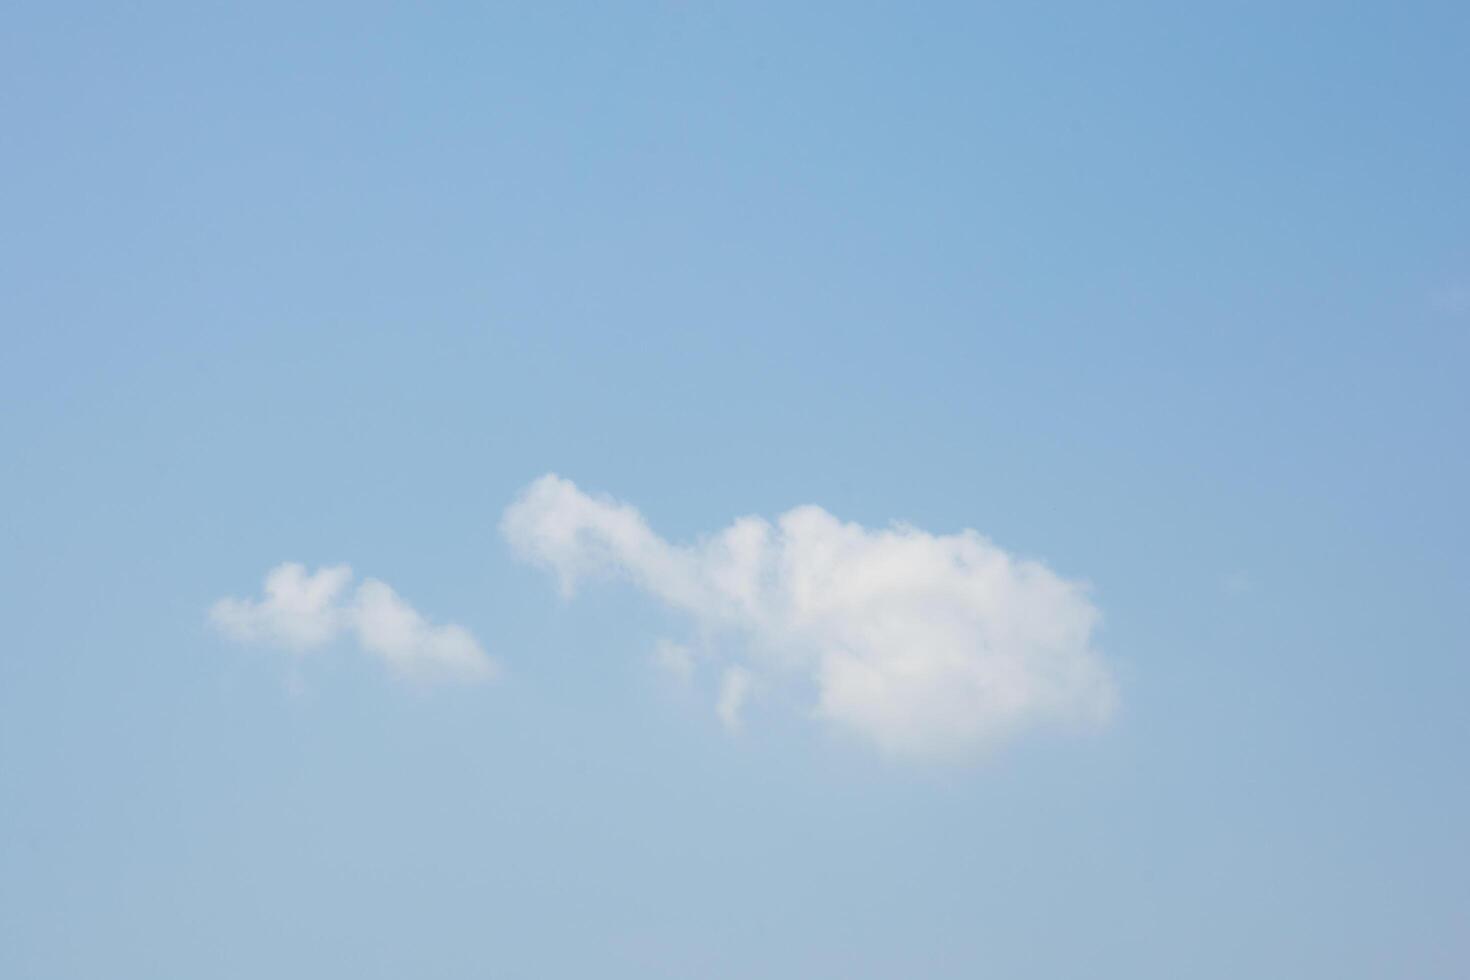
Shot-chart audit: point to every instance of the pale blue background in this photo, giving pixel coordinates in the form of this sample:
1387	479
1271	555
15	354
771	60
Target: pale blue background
1173	296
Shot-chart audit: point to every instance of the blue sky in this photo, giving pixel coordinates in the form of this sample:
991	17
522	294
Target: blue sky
1175	303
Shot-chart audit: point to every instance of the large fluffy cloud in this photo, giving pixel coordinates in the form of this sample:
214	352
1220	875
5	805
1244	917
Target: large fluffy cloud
303	611
926	645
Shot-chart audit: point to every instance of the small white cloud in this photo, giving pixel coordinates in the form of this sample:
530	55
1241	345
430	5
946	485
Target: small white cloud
734	689
303	612
393	630
926	645
675	658
299	611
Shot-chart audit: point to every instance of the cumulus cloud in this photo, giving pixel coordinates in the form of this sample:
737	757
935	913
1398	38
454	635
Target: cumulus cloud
299	611
303	611
925	645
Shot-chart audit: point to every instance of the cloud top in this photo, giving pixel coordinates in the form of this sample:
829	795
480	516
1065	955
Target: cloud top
924	645
301	611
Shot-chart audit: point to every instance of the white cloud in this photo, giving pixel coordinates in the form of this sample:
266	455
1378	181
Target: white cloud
676	659
299	611
303	612
925	645
734	689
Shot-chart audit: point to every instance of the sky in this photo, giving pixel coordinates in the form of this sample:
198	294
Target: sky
729	490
